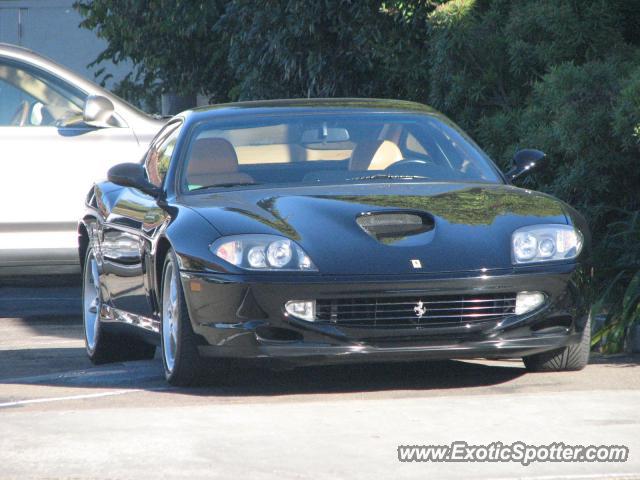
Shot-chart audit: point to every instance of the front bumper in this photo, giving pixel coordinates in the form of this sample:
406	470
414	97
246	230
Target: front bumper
244	317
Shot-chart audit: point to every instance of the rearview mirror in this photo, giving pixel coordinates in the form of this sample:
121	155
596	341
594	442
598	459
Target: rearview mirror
98	111
523	161
325	135
132	175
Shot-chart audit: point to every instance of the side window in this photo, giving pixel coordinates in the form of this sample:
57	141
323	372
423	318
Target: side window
31	98
159	155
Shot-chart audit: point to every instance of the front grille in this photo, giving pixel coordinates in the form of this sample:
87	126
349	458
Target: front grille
416	311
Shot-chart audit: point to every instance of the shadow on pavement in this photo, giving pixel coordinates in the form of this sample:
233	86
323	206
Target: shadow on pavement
616	360
69	367
36	302
40	365
60	326
47	281
431	375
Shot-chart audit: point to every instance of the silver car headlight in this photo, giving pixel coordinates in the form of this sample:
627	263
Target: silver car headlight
543	243
263	253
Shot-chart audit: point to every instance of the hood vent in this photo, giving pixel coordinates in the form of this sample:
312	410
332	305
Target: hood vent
394	227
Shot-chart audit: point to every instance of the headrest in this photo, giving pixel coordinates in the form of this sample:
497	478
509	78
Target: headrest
212	156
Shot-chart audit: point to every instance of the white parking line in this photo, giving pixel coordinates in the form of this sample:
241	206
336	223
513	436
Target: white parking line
62	399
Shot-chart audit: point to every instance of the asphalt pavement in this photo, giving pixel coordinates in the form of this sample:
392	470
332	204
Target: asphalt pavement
63	418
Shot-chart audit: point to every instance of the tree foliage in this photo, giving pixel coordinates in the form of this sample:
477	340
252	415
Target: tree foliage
171	43
326	48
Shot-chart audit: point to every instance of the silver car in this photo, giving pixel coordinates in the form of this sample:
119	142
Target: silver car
59	133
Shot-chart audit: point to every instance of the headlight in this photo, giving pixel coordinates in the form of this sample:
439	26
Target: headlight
263	252
543	243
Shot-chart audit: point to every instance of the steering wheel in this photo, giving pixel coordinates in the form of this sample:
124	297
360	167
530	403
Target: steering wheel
19	118
410	166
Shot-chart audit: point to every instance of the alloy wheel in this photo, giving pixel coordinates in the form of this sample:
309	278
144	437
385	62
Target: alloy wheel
170	317
91	301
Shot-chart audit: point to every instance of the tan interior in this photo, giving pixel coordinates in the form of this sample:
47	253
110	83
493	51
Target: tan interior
374	155
214	162
215	158
285	153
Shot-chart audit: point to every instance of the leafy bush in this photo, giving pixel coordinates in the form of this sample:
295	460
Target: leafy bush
622	315
626	124
620	300
171	42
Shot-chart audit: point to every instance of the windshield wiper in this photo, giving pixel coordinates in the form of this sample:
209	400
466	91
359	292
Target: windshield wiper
386	176
224	185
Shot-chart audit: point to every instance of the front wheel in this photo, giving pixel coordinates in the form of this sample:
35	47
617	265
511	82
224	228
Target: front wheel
569	358
180	358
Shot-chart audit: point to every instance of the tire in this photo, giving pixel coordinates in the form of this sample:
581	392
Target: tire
182	363
102	346
569	358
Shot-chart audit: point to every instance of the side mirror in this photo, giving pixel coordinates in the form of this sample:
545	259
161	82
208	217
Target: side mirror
132	175
523	161
98	111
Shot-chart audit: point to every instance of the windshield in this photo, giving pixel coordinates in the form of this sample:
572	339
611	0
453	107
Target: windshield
332	148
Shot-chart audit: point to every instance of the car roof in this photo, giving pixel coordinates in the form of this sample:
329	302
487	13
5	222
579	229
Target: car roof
306	105
17	49
20	53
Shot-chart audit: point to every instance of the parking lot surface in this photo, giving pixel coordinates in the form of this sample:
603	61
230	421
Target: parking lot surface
61	417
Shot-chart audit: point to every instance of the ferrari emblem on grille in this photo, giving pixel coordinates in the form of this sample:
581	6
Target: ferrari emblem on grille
420	309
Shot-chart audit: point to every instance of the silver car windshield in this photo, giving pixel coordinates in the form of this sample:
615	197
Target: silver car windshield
332	148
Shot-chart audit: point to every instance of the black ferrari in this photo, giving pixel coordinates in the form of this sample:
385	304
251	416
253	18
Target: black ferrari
327	231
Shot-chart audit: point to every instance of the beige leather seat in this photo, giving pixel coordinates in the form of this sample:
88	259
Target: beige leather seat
374	155
214	162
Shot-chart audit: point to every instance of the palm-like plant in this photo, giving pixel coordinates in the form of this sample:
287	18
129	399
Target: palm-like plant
622	316
620	300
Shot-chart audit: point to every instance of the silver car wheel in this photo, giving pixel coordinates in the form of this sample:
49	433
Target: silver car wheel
91	301
170	317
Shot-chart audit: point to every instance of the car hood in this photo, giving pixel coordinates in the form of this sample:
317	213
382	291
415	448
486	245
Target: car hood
471	223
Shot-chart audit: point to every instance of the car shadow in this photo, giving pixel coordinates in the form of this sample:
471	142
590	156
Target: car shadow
20	300
371	377
69	367
46	325
50	352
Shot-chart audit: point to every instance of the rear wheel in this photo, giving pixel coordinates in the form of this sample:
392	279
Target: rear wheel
572	357
103	346
183	365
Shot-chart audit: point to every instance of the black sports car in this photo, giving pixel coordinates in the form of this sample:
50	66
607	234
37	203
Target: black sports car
317	231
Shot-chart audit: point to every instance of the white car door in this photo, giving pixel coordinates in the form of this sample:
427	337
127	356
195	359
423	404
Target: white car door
48	161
